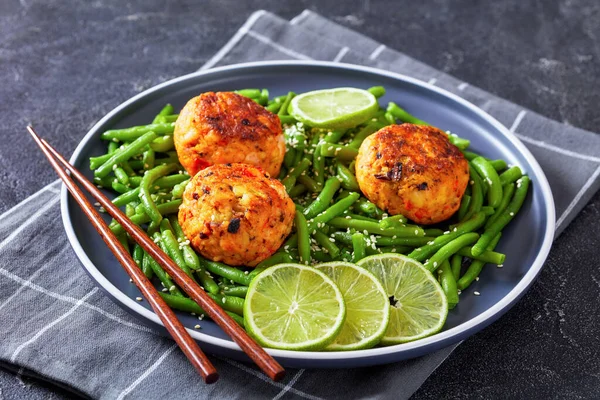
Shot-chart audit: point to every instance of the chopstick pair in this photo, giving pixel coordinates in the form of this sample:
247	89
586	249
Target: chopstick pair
189	347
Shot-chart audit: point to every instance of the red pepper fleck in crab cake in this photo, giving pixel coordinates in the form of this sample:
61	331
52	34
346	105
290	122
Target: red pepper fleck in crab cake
236	214
224	127
412	170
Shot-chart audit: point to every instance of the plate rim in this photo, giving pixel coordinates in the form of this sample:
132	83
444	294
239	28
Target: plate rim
438	340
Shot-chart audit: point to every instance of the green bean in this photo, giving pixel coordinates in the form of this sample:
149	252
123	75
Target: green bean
119	187
135	132
402	115
167	118
358	247
346	177
162	144
404	241
333	211
138	219
126	197
166	110
249	93
263	100
344	153
487	210
164	278
112	147
303	238
476	194
389	117
433	232
312	185
274	107
147	181
178	189
138	254
323	240
290	180
285	105
321	256
229	303
448	284
476	266
456	265
377	91
335	136
121	175
300	147
172	247
226	271
470	225
363	133
490	257
124	154
498	165
459	142
510	175
188	305
489	175
323	199
146	265
464	206
374	228
469	155
449	249
297	190
503	219
394	220
395	249
129	210
278	258
189	255
368	208
169	181
507	194
236	291
318	165
291	242
358	216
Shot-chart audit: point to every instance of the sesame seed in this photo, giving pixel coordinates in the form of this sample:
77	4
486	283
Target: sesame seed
416	231
245	272
224	300
435	264
447	233
97	204
472	182
477	278
164	290
476	293
439	271
332	240
193	313
197	326
500	265
130	280
460	291
512	214
138	298
172	287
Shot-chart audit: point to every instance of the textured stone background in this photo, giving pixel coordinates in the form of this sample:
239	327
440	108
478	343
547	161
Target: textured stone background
64	64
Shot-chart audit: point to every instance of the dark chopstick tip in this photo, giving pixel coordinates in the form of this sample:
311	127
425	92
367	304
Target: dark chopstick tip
211	378
279	375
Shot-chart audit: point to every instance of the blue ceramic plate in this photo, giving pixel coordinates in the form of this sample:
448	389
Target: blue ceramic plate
526	240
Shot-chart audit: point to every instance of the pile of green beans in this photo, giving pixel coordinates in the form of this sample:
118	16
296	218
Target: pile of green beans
333	221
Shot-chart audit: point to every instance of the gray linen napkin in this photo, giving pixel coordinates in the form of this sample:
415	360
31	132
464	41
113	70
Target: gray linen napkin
58	326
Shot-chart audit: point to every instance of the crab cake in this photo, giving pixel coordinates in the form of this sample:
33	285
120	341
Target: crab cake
224	127
412	170
236	214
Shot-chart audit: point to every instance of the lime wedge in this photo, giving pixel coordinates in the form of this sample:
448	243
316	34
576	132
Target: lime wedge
334	108
367	306
293	307
418	305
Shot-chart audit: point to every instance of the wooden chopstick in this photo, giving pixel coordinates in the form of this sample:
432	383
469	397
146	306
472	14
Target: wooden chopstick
262	359
187	344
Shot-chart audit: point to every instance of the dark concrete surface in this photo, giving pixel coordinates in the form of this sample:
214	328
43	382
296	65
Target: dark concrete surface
64	64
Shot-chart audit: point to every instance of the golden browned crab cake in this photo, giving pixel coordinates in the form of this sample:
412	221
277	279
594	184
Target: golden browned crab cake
412	170
224	127
236	214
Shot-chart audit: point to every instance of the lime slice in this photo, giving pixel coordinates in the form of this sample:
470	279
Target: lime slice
293	307
367	306
334	108
418	305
